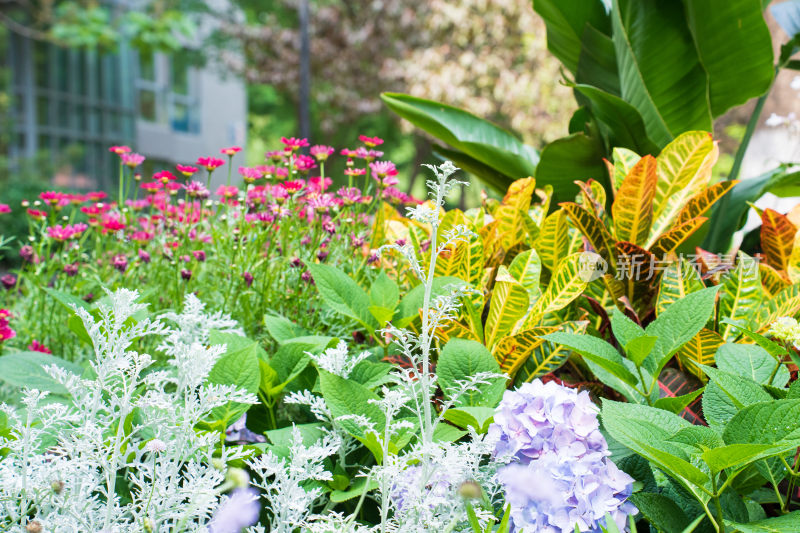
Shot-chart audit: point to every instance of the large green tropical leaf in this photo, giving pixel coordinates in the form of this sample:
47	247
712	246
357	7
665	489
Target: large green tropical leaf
729	212
660	71
597	64
478	139
576	157
735	48
566	21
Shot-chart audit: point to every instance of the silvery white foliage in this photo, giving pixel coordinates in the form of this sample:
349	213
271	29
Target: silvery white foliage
194	324
335	523
66	457
319	409
338	360
282	479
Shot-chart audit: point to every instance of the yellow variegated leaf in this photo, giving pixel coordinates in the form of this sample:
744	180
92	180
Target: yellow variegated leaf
473	261
771	280
702	201
509	303
591	198
514	225
553	241
539	211
793	268
785	303
514	350
777	238
449	262
593	229
684	169
636	268
740	294
519	194
548	356
677	280
700	350
526	269
567	283
670	240
453	330
633	206
624	161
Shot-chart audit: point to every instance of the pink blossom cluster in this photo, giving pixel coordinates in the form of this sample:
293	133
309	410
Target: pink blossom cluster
5	329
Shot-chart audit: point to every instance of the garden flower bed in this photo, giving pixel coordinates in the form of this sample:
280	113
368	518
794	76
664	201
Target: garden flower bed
292	358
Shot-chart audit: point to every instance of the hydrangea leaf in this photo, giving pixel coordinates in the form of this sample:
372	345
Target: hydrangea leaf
26	369
342	294
751	361
661	511
460	360
778	524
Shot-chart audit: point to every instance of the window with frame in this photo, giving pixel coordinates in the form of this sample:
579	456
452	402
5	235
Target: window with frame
167	92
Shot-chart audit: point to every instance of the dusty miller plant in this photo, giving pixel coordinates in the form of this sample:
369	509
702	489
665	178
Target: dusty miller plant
122	424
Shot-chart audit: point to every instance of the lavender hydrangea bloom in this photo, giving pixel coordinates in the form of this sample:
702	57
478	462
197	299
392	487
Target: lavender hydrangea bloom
559	474
239	511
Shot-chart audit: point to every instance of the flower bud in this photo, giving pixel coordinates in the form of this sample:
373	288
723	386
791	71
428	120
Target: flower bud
238	477
469	490
34	526
57	486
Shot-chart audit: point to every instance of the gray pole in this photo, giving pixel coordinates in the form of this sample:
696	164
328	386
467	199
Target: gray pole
304	105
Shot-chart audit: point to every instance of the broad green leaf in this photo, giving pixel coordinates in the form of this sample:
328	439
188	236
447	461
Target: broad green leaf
597	63
371	374
739	455
596	350
660	72
238	366
663	513
727	394
624	123
728	215
460	360
26	369
281	328
735	48
753	362
508	304
676	404
346	397
342	294
473	136
765	422
356	489
639	348
633	206
384	292
565	21
778	524
447	433
679	322
477	417
288	362
568	158
677	280
624	329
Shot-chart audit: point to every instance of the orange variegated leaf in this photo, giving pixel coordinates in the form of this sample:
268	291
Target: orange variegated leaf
673	238
514	350
684	169
771	279
702	201
700	350
593	229
633	206
636	268
777	238
453	330
591	198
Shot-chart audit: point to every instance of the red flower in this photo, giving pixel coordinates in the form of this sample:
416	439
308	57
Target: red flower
164	176
371	142
152	186
96	196
292	186
37	214
4	208
119	150
210	163
231	150
36	346
186	170
292	144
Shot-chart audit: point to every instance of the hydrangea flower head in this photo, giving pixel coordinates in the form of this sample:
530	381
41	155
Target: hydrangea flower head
550	433
785	329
